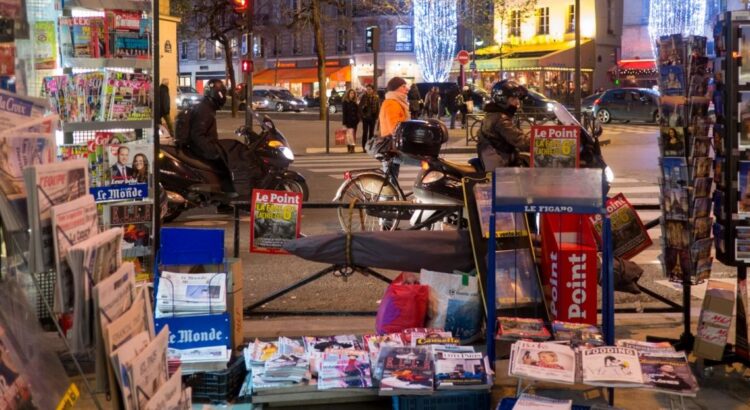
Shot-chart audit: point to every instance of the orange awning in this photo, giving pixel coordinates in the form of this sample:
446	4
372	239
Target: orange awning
301	75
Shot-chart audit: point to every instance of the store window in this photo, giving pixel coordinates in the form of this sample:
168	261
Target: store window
218	50
404	39
185	81
234	46
542	21
201	49
514	29
259	46
342	41
183	50
571	18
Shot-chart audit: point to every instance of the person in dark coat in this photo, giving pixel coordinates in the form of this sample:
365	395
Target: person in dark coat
350	111
432	102
165	104
369	109
499	139
451	101
415	101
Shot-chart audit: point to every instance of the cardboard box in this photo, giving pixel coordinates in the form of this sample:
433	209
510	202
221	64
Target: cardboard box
235	307
715	320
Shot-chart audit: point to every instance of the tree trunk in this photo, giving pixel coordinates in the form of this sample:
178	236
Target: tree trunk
321	52
232	86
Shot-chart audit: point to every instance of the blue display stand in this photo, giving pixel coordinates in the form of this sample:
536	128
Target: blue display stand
551	190
189	246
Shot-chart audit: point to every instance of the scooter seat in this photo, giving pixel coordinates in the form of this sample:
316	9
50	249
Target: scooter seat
459	168
190	159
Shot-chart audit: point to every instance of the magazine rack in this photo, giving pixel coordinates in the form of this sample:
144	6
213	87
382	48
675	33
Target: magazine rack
189	246
541	190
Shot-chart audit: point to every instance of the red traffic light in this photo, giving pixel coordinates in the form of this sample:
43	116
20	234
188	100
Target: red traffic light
240	6
247	66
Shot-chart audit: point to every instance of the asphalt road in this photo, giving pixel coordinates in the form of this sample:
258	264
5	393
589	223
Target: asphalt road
632	153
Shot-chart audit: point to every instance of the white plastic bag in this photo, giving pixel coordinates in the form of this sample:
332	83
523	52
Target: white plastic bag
454	304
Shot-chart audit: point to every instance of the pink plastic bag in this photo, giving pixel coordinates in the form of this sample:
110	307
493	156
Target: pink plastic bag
404	305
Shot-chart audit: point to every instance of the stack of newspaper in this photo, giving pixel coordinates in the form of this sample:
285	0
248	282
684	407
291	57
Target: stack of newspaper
191	294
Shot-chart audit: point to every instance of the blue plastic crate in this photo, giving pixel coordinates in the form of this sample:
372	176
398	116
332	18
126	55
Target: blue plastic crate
445	400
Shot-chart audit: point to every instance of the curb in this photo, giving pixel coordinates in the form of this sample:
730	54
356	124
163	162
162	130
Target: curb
342	150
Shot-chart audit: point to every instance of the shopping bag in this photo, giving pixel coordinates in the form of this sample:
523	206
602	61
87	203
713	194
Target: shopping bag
350	138
404	305
470	106
341	136
454	304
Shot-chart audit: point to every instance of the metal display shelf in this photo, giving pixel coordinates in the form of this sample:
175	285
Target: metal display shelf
96	63
105	125
551	190
108	4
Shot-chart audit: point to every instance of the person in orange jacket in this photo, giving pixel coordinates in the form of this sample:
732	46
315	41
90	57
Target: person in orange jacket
394	110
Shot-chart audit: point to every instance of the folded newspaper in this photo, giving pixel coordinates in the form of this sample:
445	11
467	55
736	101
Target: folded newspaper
190	294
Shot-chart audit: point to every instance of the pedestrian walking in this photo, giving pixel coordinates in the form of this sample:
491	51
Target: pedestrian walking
369	108
415	101
165	105
432	102
394	110
464	100
350	111
452	100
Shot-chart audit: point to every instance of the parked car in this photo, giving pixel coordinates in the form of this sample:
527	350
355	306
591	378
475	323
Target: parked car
335	102
587	103
187	96
627	104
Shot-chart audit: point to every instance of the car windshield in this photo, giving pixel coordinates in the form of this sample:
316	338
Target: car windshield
283	94
188	90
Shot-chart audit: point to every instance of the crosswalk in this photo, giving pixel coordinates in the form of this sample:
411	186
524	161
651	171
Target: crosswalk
334	166
639	129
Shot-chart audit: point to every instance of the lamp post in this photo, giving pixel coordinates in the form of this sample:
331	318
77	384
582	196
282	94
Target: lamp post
476	43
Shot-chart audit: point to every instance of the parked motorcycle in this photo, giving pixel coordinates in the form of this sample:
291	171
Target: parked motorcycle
191	182
439	180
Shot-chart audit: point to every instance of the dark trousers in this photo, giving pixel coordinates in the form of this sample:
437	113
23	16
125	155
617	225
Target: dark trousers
368	130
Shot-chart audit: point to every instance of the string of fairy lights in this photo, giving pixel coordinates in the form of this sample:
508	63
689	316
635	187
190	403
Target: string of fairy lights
676	16
435	25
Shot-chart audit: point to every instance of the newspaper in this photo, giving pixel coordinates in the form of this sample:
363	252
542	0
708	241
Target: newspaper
72	222
91	261
171	396
126	354
149	369
18	110
135	320
531	402
188	294
611	366
543	361
48	185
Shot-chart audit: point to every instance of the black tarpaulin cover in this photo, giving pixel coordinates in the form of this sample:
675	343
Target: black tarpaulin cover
443	251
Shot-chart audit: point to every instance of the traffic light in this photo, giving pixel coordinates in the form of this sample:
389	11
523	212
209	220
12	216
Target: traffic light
372	38
240	6
247	66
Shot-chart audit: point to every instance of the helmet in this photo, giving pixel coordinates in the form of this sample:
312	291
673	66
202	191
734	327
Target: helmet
421	138
217	93
505	89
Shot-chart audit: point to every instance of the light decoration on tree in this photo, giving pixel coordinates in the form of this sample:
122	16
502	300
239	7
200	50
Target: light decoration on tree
686	17
435	24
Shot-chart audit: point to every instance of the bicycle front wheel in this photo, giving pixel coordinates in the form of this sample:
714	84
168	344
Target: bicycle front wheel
369	187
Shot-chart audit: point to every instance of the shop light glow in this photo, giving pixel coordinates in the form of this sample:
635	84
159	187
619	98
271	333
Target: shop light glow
435	24
676	16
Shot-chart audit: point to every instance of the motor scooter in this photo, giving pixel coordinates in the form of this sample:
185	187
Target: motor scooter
191	182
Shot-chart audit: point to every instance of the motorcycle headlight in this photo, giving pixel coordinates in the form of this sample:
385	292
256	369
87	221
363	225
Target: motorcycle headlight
609	174
432	176
287	152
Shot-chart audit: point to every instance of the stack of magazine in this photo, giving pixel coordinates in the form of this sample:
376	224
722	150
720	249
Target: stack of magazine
190	295
640	366
259	353
685	158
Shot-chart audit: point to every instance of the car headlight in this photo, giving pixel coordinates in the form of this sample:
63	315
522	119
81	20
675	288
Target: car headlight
432	176
194	98
293	102
287	152
609	174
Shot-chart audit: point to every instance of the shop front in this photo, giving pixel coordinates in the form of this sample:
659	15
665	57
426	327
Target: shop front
635	73
303	81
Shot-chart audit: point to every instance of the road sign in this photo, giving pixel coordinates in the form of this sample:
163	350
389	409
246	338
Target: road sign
473	65
463	57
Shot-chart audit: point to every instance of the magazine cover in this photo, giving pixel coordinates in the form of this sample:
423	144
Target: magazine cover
507	224
671	50
744	49
460	371
673	141
743	178
611	366
406	370
578	334
629	236
744	114
554	146
668	373
374	343
45	45
672	80
136	220
516	328
275	218
344	370
516	278
543	361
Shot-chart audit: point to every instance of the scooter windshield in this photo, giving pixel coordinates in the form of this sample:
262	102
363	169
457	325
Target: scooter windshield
564	117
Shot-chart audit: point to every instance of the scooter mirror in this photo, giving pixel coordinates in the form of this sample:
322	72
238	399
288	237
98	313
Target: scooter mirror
598	131
241	131
268	123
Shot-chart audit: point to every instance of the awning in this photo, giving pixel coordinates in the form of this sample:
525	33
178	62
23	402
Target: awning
537	59
301	75
638	68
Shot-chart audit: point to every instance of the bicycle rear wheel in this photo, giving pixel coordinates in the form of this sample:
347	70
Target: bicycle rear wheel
370	187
